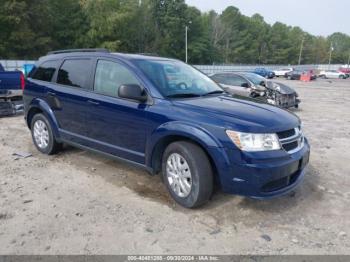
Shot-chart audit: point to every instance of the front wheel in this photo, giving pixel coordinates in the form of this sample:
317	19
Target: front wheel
188	174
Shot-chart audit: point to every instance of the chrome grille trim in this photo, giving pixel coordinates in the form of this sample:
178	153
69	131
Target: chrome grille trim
297	137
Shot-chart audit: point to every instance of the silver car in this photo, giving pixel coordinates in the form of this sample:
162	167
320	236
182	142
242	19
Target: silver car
255	86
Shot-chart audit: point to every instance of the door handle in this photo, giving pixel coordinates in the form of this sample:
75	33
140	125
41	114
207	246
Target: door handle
51	94
95	103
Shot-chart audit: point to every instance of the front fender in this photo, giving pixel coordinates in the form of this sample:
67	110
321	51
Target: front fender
182	129
40	104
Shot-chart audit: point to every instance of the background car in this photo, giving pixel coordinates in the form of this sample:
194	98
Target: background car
345	70
296	74
255	86
240	84
264	73
282	71
11	90
332	74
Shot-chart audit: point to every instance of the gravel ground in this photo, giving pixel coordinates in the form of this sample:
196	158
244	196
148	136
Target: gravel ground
80	203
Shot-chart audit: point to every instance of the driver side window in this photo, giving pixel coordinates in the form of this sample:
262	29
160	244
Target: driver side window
110	76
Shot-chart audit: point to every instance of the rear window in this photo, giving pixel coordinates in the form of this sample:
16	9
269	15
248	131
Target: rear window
75	72
45	71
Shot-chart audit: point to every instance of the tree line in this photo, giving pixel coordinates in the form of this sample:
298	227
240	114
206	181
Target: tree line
29	29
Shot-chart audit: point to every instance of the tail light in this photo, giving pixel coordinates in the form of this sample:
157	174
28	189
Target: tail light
23	82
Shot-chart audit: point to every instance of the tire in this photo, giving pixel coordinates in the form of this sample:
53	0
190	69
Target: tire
200	173
42	135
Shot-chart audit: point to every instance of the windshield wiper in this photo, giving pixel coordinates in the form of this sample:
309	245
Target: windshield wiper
184	95
214	92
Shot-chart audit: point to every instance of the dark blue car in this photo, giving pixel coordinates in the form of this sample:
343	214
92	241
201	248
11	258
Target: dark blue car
167	117
264	73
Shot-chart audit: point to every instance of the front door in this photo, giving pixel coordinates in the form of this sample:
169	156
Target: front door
115	125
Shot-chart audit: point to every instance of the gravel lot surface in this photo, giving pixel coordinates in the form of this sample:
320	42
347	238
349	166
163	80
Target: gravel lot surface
78	202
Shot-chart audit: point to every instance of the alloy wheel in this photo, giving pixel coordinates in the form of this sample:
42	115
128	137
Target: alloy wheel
179	175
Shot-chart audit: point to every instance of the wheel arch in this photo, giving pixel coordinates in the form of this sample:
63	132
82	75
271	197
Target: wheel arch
170	133
39	106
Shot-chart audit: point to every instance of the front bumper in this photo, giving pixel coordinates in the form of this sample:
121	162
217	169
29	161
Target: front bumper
287	101
265	176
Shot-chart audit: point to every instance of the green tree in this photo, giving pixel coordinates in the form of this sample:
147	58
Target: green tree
341	44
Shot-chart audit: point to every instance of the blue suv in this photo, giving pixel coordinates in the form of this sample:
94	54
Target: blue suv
264	73
168	118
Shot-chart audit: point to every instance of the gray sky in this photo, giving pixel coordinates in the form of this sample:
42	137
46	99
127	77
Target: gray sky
319	17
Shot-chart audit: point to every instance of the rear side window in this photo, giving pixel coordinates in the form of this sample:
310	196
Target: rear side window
218	78
110	76
75	72
45	71
233	80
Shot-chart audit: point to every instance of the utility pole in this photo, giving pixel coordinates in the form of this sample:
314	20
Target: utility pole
330	56
301	49
186	40
186	29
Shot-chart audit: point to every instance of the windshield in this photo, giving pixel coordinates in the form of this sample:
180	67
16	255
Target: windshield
254	78
177	79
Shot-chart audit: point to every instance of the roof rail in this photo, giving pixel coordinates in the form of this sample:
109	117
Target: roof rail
148	54
102	50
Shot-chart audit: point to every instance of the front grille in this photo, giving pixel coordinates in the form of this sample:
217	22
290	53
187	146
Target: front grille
291	140
285	134
290	146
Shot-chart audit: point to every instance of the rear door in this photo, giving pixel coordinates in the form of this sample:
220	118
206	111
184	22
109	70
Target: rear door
69	97
116	125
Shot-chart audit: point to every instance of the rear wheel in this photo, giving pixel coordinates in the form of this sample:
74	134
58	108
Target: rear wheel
187	173
42	135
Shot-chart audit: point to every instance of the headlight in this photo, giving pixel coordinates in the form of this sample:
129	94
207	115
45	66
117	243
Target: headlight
254	142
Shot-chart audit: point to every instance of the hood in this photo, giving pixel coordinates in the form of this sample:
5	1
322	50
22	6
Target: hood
279	87
238	113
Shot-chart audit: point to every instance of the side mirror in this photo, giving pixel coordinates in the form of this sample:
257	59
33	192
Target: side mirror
246	85
132	92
